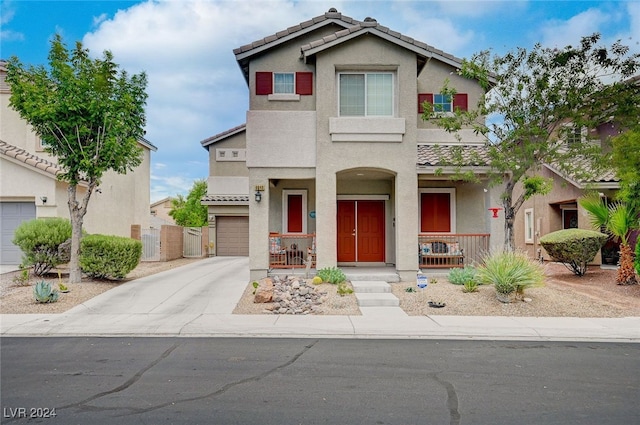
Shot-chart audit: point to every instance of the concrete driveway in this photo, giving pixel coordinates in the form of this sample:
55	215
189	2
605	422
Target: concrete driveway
197	300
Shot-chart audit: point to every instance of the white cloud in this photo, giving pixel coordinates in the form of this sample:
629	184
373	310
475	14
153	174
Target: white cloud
557	33
195	86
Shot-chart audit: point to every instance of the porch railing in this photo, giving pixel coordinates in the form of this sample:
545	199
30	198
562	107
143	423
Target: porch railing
287	251
451	250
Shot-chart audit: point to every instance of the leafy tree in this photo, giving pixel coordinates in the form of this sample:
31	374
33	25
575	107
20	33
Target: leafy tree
618	219
90	117
189	212
542	97
626	159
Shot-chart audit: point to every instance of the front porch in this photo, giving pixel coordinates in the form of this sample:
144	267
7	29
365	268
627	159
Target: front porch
290	252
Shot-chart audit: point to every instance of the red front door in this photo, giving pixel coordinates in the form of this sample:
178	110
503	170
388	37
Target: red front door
361	231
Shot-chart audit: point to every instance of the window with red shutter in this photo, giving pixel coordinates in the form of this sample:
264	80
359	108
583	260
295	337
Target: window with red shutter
460	101
304	83
264	83
424	97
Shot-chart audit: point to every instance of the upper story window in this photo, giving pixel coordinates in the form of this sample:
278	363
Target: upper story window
443	103
366	94
283	83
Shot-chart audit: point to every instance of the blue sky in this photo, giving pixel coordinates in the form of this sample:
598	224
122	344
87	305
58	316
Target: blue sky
186	47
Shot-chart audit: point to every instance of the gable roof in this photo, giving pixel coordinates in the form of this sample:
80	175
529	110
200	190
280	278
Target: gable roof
371	26
352	28
221	136
244	53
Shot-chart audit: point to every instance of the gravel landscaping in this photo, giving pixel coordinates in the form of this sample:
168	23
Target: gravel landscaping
564	295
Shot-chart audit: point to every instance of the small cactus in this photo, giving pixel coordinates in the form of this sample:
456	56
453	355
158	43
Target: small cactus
317	280
43	293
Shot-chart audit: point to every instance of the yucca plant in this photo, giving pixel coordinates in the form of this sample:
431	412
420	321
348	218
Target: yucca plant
510	272
618	219
43	293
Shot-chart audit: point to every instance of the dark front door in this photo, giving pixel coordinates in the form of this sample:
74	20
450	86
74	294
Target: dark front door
361	231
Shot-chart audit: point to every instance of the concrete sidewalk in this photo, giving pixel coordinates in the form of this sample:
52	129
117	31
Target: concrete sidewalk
196	300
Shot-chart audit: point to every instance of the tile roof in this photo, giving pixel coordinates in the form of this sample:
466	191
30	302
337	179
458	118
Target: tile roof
225	199
352	28
331	16
370	25
445	154
220	136
606	179
29	159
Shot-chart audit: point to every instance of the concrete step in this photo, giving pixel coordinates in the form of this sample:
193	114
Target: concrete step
377	300
370	286
371	275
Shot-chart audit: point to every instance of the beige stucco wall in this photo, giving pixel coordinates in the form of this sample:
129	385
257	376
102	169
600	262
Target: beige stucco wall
398	159
228	168
124	200
547	217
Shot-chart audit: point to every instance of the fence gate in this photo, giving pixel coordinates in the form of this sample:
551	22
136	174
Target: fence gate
192	242
150	244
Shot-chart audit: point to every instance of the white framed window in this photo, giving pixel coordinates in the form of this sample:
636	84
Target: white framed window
529	229
283	83
294	211
442	103
366	94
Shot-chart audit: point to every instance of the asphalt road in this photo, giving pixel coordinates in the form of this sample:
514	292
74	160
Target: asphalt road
327	381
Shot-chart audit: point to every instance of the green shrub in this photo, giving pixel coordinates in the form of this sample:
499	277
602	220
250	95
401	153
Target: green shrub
332	275
470	286
510	272
111	257
460	276
40	240
575	248
43	293
344	289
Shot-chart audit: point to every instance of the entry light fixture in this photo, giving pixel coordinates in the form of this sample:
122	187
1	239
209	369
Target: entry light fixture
258	194
43	199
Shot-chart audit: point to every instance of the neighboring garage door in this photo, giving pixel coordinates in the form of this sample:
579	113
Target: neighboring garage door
11	215
232	236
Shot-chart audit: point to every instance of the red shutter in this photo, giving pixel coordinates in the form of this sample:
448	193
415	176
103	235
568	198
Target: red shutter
460	101
294	214
435	212
304	83
424	97
264	83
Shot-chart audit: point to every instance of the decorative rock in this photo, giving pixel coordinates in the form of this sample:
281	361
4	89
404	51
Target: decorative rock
293	295
264	292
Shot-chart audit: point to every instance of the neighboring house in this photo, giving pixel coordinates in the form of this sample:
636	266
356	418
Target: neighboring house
160	213
543	214
335	162
30	189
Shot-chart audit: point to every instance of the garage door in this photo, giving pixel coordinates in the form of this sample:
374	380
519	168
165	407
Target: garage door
232	236
11	215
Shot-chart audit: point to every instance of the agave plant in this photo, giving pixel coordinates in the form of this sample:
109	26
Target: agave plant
43	293
618	219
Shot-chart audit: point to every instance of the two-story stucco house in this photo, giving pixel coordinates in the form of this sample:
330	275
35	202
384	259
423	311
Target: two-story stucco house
30	189
334	162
